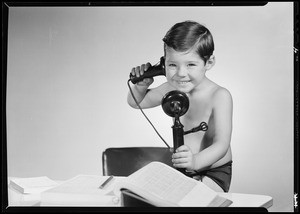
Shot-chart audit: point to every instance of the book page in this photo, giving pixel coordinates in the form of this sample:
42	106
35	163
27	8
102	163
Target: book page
163	181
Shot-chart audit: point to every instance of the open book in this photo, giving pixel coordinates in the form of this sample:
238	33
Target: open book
162	185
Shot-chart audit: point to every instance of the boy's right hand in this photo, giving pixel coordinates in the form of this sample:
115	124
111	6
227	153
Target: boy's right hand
139	71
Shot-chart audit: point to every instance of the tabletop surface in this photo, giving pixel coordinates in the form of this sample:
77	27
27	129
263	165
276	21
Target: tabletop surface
16	198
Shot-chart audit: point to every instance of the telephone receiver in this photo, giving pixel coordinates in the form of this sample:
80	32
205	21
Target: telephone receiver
152	71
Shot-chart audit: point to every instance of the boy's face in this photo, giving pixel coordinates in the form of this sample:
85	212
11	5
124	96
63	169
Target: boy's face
184	70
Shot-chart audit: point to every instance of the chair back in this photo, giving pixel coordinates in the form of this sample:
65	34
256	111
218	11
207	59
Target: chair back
124	161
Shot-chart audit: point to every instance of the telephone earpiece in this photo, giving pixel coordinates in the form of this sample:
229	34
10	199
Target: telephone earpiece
155	70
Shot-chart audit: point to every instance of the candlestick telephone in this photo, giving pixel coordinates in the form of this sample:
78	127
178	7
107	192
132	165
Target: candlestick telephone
174	103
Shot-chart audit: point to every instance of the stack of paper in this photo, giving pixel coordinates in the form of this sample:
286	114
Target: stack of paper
82	190
32	185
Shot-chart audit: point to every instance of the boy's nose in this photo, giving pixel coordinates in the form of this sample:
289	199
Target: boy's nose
182	72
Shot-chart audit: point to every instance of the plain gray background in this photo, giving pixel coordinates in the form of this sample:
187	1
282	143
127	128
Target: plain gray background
66	88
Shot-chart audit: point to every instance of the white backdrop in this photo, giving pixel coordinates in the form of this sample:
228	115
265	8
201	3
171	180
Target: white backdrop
66	88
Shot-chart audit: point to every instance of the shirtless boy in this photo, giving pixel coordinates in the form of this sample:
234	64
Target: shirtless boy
188	53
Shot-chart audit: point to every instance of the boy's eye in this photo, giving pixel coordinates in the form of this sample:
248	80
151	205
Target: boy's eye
172	65
191	64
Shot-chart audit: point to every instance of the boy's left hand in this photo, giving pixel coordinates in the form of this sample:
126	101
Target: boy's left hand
183	158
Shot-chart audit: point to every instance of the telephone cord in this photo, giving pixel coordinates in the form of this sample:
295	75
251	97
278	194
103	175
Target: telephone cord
138	105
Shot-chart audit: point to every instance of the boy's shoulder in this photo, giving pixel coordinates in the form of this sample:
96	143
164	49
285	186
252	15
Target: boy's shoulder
221	91
215	90
221	95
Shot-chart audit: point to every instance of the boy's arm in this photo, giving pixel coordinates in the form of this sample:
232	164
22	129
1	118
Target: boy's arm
147	98
222	110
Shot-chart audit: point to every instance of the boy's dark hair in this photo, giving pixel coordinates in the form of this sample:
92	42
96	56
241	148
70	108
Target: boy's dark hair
188	34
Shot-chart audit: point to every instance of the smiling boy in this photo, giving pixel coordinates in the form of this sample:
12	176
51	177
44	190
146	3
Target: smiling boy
188	53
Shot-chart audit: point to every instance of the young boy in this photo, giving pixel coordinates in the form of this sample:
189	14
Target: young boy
188	53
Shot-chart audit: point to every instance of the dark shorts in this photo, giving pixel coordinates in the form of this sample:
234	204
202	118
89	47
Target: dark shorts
221	175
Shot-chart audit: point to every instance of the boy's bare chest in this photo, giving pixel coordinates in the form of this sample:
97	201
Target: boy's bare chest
199	111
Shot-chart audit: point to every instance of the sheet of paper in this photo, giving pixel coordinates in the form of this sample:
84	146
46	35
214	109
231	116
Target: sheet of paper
33	184
85	184
82	190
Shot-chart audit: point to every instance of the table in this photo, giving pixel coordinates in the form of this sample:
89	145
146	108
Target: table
15	199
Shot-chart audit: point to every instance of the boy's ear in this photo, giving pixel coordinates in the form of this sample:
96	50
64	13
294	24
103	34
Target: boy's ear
210	62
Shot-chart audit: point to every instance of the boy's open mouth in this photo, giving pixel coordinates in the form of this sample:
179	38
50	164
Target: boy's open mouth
183	82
